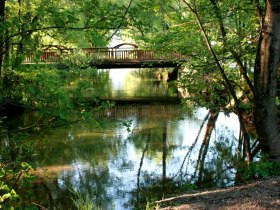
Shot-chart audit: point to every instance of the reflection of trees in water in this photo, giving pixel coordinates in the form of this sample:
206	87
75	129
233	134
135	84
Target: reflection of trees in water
140	167
92	182
164	150
154	138
136	83
188	154
77	144
148	83
60	193
102	85
212	165
209	162
153	185
204	176
88	175
216	162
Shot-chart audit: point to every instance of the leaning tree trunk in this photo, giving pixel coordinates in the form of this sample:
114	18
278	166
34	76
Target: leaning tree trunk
266	65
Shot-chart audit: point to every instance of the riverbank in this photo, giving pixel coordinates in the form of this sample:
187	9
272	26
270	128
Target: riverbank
261	195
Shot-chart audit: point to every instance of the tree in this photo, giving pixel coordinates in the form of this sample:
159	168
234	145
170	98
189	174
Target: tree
230	30
227	82
2	19
265	78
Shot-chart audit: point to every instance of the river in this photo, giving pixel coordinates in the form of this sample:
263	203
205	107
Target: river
137	151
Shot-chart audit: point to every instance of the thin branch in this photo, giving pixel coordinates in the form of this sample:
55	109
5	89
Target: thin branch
52	27
123	17
255	150
40	206
35	124
247	96
259	12
19	177
225	41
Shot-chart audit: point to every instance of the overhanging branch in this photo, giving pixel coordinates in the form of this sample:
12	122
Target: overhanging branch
123	17
53	27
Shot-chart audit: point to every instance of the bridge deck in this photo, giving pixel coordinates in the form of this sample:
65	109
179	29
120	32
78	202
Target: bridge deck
110	57
135	64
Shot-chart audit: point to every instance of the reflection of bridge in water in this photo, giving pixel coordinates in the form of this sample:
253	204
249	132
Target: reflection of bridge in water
142	111
115	57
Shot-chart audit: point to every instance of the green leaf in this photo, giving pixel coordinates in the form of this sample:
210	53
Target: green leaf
4	197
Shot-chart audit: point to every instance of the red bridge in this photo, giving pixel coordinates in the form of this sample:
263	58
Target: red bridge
115	57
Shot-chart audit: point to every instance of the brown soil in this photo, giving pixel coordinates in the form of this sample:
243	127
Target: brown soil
258	195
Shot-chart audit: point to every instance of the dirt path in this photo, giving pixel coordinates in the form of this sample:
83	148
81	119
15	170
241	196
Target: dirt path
258	195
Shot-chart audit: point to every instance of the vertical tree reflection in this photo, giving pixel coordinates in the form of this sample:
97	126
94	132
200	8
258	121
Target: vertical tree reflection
154	186
164	151
141	164
203	175
187	156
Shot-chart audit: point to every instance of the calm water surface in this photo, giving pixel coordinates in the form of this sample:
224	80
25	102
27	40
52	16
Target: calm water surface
134	153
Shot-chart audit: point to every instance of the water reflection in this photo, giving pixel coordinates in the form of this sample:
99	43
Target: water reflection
129	83
120	168
134	153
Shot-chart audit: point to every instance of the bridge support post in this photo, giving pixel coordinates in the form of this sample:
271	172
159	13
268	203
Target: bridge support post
173	76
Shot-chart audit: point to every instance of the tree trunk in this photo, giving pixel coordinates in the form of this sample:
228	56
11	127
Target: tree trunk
265	76
2	33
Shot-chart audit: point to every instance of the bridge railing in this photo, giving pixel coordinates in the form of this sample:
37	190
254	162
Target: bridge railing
120	54
106	54
48	57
